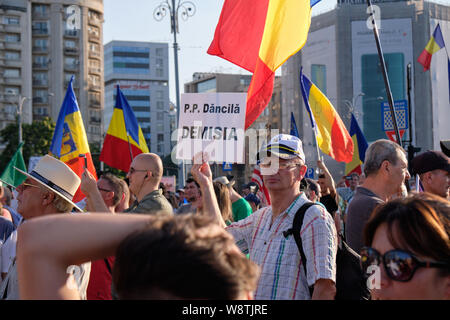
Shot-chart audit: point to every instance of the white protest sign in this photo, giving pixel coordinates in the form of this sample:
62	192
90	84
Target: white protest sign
213	123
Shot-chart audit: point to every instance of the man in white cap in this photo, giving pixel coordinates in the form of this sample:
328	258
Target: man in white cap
48	189
263	236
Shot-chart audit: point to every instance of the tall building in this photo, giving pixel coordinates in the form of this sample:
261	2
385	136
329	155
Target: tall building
341	58
269	119
42	45
141	69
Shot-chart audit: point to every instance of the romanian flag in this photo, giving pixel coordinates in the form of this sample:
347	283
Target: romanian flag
124	139
359	151
70	140
331	135
260	36
435	44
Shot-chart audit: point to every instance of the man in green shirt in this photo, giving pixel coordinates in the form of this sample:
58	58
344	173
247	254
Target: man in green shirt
240	207
144	178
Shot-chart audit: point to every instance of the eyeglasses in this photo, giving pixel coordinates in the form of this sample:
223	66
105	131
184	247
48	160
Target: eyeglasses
133	170
399	265
281	165
25	186
101	189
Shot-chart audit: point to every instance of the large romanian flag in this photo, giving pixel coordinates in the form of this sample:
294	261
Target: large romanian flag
331	135
259	36
435	44
70	140
359	151
124	139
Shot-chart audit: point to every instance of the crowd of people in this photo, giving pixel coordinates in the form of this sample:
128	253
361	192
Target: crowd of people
131	237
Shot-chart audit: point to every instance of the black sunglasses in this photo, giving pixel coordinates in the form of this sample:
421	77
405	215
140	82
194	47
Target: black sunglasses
399	265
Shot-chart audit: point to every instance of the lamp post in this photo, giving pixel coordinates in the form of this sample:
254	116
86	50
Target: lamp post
186	9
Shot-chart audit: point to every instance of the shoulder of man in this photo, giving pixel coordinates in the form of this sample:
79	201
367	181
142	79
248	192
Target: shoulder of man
153	202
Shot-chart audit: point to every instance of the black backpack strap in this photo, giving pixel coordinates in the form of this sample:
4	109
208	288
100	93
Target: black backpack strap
295	231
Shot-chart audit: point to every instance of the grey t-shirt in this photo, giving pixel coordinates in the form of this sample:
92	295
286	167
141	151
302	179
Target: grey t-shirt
358	213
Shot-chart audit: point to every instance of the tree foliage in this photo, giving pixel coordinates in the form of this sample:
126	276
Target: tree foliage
37	138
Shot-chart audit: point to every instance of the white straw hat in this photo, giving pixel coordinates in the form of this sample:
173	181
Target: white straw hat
56	176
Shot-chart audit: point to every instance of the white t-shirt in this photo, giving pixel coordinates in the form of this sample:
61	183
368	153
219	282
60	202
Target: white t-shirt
8	252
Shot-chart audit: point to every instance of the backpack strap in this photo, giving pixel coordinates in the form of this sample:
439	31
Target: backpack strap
295	231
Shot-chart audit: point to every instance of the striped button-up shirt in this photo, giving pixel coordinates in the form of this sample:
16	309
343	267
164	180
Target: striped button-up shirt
282	273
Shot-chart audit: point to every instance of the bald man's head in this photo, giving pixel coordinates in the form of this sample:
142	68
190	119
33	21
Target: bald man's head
152	162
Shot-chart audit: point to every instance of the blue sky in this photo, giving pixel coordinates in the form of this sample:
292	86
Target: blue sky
133	20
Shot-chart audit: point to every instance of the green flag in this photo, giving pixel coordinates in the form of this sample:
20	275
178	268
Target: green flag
11	176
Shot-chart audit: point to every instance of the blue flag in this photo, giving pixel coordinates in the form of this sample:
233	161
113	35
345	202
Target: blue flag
294	131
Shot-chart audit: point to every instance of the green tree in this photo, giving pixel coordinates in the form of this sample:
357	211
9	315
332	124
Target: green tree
37	138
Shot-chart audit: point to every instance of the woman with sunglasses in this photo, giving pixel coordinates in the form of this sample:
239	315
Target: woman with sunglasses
407	253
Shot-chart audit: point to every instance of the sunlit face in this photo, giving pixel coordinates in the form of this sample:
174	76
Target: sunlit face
29	200
283	176
398	172
439	183
191	192
425	284
136	175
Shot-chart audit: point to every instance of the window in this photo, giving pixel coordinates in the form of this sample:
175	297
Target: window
70	62
159	63
13	73
40	44
70	44
160	105
11	20
40	27
41	111
207	85
160	116
159	94
93	79
40	96
40	78
159	51
10	55
93	31
12	90
40	9
95	116
159	72
40	61
12	37
160	137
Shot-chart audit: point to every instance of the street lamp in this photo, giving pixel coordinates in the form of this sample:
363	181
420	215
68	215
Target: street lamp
186	9
21	100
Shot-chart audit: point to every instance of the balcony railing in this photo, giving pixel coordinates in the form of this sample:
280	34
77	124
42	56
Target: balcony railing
71	33
41	100
38	65
40	82
69	50
40	49
95	70
39	31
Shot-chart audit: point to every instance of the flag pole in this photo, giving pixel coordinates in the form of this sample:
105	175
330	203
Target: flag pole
385	75
129	147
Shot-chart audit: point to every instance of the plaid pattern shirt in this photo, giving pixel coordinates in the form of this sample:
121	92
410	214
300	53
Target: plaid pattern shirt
282	274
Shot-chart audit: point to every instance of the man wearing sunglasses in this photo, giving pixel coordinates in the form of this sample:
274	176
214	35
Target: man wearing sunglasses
262	235
144	178
48	189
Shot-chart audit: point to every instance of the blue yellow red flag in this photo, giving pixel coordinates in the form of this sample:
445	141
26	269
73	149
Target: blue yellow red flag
70	140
